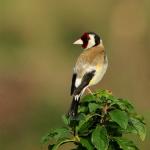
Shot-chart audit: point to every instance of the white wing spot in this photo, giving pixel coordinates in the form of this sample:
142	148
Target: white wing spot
77	82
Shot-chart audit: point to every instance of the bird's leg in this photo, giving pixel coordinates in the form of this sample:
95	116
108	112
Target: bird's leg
88	89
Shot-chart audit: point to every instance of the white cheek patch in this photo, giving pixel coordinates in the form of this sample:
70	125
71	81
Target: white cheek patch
91	42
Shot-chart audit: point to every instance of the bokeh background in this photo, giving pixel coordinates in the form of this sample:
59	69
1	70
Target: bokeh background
37	56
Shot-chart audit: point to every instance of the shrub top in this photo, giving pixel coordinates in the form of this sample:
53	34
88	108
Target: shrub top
101	124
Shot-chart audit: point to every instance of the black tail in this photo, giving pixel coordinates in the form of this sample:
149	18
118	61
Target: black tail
74	107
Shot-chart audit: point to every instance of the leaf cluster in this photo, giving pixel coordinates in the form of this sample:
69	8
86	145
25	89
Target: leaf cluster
101	124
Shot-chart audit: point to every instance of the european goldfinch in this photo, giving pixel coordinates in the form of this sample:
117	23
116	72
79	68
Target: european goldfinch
89	69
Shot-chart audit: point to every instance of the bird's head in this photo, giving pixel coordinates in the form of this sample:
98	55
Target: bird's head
88	40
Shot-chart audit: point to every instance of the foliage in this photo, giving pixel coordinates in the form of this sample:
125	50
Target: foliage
101	124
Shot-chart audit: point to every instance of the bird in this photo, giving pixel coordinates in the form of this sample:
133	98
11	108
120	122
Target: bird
89	69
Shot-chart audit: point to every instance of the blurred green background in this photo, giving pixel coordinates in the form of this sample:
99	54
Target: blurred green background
37	57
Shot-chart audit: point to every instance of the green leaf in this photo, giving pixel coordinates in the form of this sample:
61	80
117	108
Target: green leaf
99	138
120	117
45	139
104	93
57	134
114	129
88	98
126	144
86	143
61	133
125	103
119	103
93	107
139	126
122	104
84	123
131	129
83	109
57	145
140	117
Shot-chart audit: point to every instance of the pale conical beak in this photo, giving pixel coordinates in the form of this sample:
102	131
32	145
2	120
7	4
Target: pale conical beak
79	42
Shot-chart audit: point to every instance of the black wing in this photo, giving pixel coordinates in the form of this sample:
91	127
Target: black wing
73	83
85	81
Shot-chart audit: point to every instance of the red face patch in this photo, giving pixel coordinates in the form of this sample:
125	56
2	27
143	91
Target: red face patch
85	38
